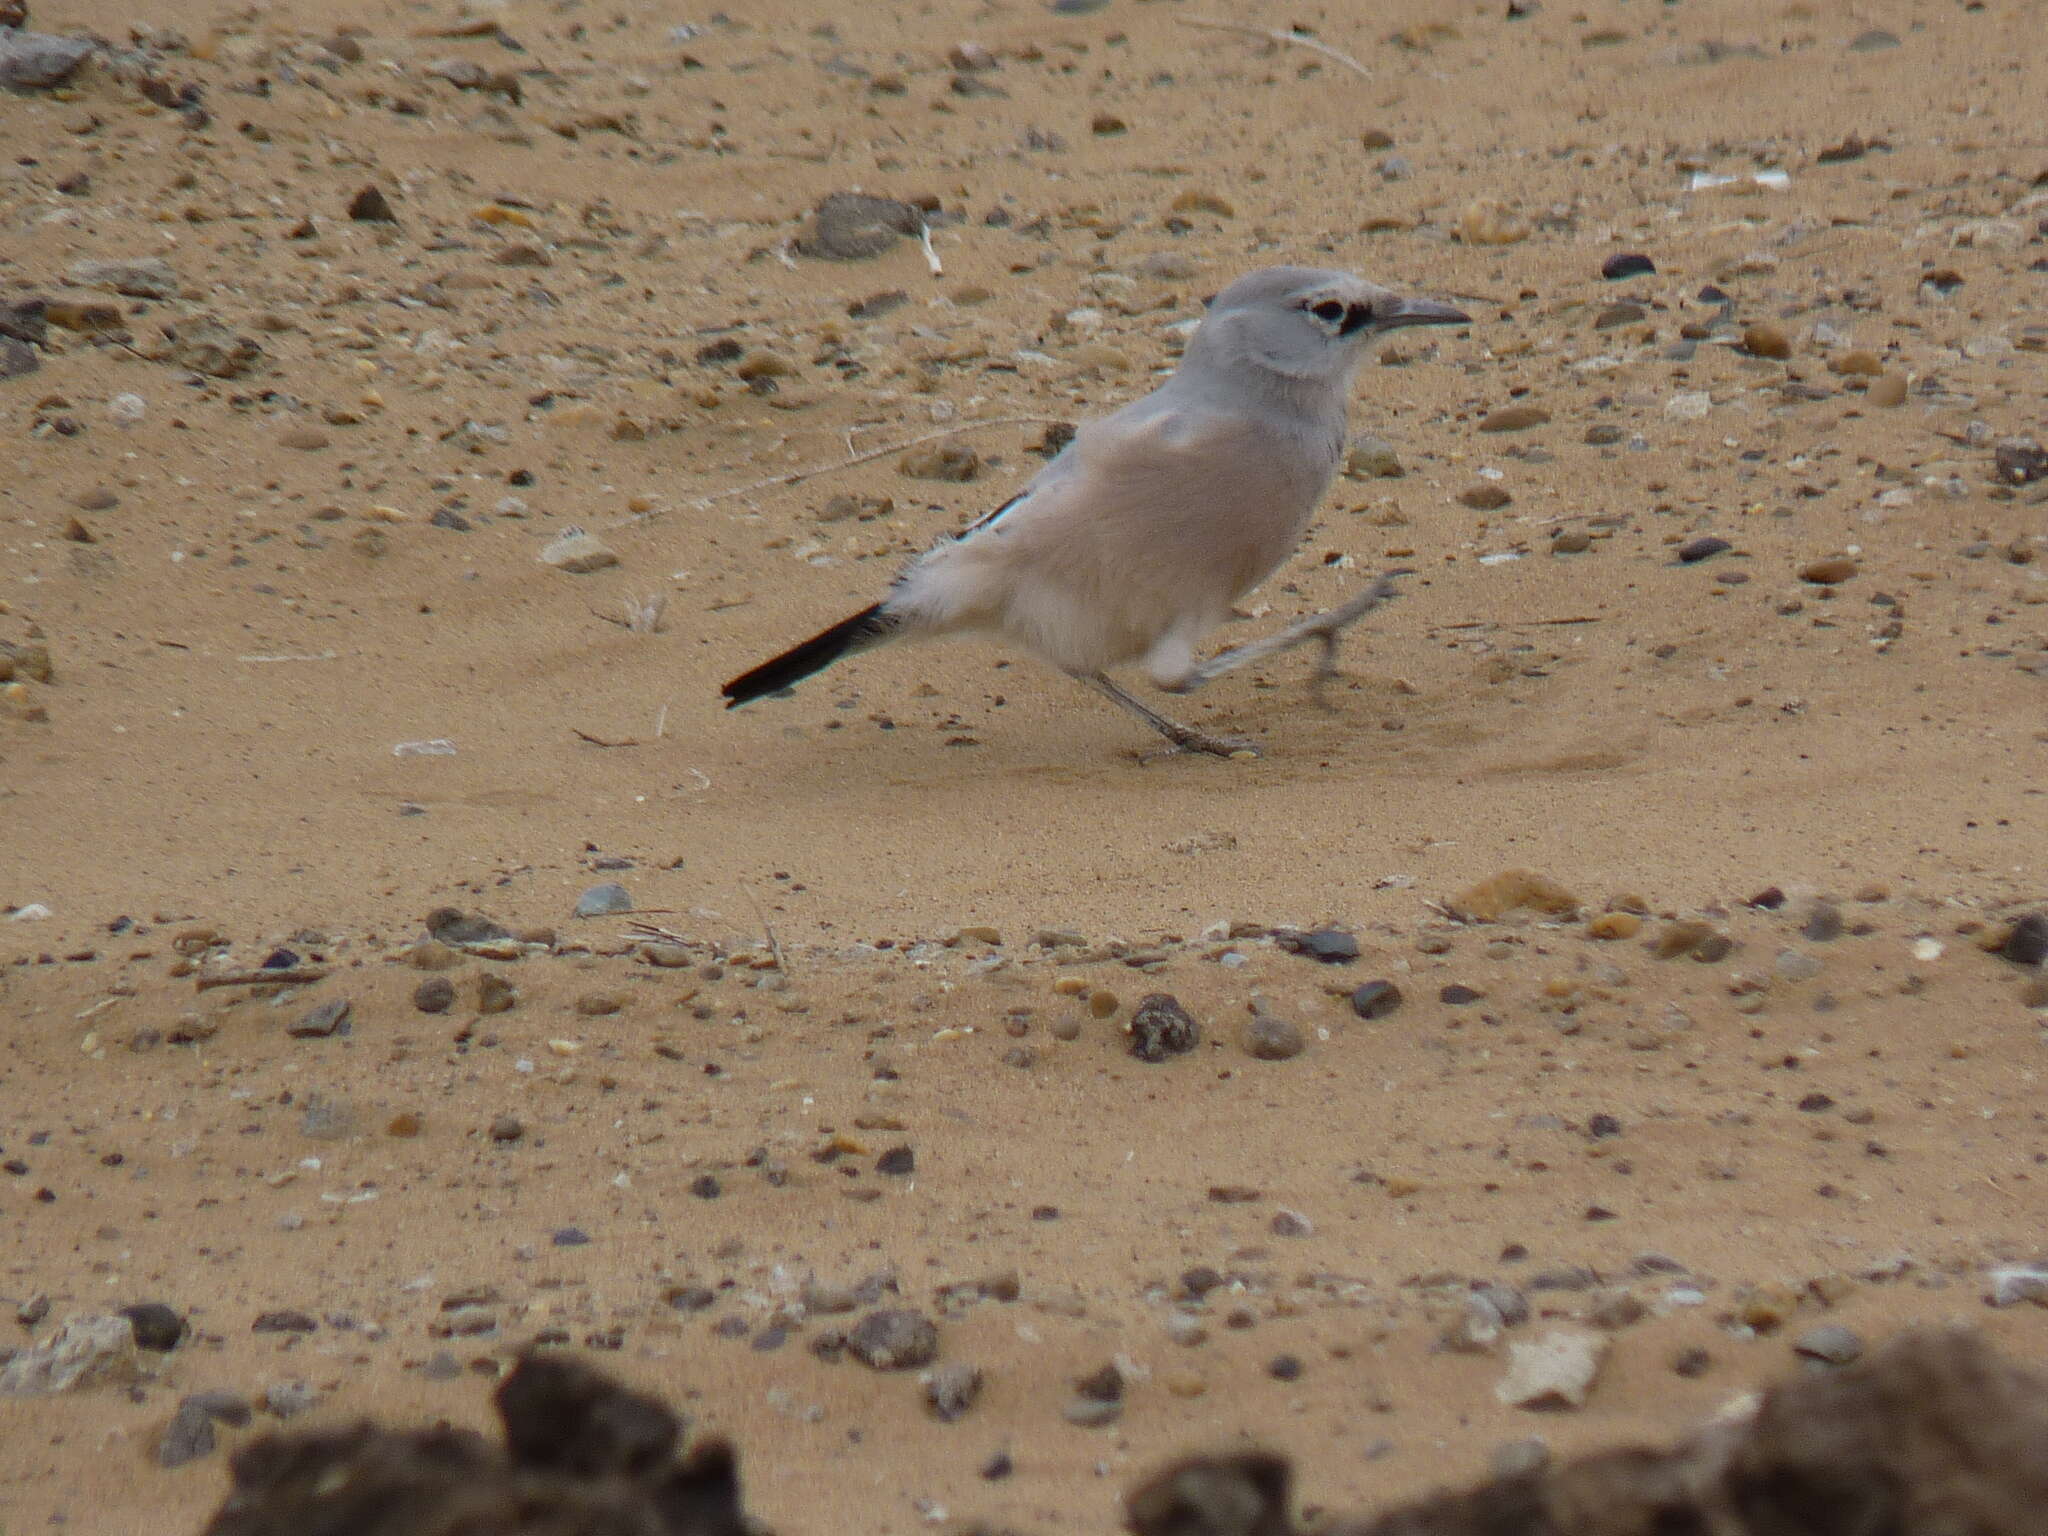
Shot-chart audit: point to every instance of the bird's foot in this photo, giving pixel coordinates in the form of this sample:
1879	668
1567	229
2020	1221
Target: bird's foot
1188	740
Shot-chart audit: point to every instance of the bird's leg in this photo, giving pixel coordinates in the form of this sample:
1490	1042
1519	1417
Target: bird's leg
1185	738
1323	628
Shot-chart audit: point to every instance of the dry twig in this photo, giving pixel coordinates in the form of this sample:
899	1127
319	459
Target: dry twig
294	978
798	476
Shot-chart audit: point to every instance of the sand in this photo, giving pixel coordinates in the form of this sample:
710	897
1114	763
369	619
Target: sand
291	573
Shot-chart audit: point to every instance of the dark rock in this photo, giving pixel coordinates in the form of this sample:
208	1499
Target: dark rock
188	1437
286	1321
434	995
569	1237
1332	946
1160	1028
157	1325
1626	264
1375	1000
32	60
1601	1126
1102	1386
1695	550
1823	923
1457	995
2027	944
894	1339
2017	463
17	358
1243	1493
370	206
506	1128
854	226
329	1018
897	1160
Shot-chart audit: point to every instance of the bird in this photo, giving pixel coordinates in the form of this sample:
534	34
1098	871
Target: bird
1142	533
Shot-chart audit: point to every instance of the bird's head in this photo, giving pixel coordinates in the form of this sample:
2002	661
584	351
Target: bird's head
1306	323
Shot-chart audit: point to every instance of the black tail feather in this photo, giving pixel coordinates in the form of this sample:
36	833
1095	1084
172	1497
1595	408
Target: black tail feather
867	628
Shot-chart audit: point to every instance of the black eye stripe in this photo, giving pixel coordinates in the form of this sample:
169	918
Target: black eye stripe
1355	315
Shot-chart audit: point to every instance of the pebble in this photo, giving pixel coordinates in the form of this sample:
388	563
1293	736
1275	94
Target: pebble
434	995
327	1117
1614	925
494	994
1160	1028
2014	1283
1689	405
894	1339
950	1389
31	60
1857	363
329	1018
605	900
1553	1370
1626	264
1792	965
1196	201
1830	572
371	206
1103	1003
897	1161
1766	340
303	439
1514	418
1487	222
157	1325
1570	541
1372	458
1091	1413
506	1128
953	463
1823	923
127	410
147	277
856	226
599	1005
1830	1344
1604	434
1269	1039
87	1351
188	1436
2027	944
1695	550
577	552
1332	946
1484	498
1887	392
283	1399
1376	999
1613	317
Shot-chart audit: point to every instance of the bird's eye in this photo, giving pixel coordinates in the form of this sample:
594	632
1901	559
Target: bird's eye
1329	311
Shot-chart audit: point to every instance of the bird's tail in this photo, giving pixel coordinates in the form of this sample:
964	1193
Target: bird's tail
864	631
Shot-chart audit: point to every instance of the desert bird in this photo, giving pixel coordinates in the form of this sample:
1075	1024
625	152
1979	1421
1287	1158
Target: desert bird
1136	540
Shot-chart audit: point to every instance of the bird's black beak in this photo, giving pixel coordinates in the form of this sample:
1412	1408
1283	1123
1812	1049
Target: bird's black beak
1417	312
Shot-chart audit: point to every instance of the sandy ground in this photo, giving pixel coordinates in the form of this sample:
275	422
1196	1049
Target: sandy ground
254	594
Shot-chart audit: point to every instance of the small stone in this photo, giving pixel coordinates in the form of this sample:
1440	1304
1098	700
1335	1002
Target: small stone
1514	418
288	1399
1484	498
950	1389
38	60
2027	944
1458	995
1372	458
1823	923
855	226
1830	1344
605	900
1604	434
404	1125
87	1351
285	1320
506	1129
1553	1370
1570	541
577	553
1791	965
1691	1362
1613	317
1102	1386
569	1237
1332	946
434	995
897	1161
1689	405
1375	1000
1766	340
1829	572
894	1339
1857	363
598	1005
1160	1028
329	1018
2014	1283
370	206
1105	124
954	463
303	439
188	1436
17	358
2020	463
1887	392
1693	551
1626	264
148	277
1103	1003
1269	1039
1875	40
1290	1224
1091	1413
157	1325
327	1117
1614	925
